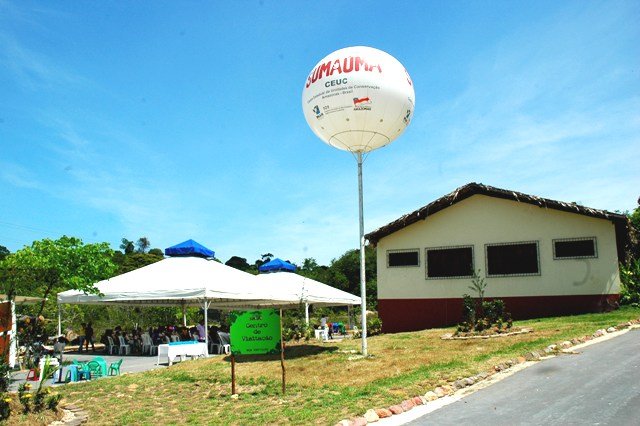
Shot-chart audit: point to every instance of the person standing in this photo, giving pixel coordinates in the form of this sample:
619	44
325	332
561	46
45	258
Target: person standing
88	337
202	331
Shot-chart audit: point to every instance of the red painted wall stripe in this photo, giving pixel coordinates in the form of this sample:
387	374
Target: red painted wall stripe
417	314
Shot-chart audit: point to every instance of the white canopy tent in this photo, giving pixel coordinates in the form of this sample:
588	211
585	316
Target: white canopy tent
180	281
194	281
305	290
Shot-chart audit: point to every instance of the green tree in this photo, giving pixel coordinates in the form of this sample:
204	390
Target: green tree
349	266
143	244
127	246
51	266
156	252
238	262
4	252
138	260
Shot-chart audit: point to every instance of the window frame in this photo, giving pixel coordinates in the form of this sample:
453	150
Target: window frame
595	248
416	250
512	243
457	277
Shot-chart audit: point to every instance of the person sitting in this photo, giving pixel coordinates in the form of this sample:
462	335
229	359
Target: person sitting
184	334
58	348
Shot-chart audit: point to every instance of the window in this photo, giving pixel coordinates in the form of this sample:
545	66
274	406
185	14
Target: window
575	248
397	258
449	262
509	259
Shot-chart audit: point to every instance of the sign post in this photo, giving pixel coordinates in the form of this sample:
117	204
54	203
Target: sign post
256	333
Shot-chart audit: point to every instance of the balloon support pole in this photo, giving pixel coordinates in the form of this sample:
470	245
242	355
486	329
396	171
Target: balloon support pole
363	280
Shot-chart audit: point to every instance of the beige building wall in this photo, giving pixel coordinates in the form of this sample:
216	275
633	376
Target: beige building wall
481	220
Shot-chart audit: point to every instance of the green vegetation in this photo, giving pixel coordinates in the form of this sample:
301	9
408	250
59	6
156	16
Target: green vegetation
480	316
630	269
325	382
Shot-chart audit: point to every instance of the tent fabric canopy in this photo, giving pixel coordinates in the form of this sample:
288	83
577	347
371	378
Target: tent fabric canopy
277	265
186	281
189	281
305	290
189	248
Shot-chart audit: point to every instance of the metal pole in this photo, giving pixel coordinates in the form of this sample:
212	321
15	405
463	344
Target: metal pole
184	314
282	356
206	324
363	280
59	320
306	313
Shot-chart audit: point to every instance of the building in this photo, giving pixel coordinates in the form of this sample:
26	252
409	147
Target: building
542	257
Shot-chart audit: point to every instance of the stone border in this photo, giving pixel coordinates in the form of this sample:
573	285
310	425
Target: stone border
450	336
73	416
375	414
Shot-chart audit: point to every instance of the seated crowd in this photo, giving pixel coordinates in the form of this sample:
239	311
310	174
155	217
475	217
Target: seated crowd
158	335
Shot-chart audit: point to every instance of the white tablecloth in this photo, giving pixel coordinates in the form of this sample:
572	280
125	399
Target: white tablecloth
174	351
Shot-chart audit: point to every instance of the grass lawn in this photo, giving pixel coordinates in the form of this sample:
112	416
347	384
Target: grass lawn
324	382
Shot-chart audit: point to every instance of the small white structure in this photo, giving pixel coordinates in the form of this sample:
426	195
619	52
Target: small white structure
542	257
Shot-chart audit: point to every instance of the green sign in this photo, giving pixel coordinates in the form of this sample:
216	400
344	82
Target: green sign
255	332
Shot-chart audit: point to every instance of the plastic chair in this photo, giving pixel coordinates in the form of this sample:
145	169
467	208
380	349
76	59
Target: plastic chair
95	370
32	375
82	370
75	373
225	343
147	343
125	346
114	368
111	346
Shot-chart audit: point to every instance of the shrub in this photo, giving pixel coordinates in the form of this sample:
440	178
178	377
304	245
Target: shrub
5	406
480	315
296	329
468	309
630	280
38	400
374	327
493	310
53	401
24	396
5	376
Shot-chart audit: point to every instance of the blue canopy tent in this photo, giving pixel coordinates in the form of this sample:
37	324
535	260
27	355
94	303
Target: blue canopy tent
276	265
189	248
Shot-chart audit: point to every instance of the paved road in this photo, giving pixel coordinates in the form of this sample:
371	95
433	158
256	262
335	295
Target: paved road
599	386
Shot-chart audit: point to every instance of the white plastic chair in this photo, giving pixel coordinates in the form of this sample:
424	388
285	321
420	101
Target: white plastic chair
147	344
125	346
111	346
224	347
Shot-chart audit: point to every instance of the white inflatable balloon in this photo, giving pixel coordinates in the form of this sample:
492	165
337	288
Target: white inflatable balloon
358	99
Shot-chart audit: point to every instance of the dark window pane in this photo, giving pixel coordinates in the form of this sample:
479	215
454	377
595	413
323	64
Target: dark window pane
513	259
576	248
403	258
450	262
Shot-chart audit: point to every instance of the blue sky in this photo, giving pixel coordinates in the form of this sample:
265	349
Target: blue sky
177	120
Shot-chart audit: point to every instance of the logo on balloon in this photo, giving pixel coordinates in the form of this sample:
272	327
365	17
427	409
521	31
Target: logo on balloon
317	112
362	104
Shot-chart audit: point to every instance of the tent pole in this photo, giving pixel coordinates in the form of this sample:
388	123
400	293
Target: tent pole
306	313
184	314
59	319
206	324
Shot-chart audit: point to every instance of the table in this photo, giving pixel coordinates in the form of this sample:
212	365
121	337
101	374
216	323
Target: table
53	363
181	349
321	334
